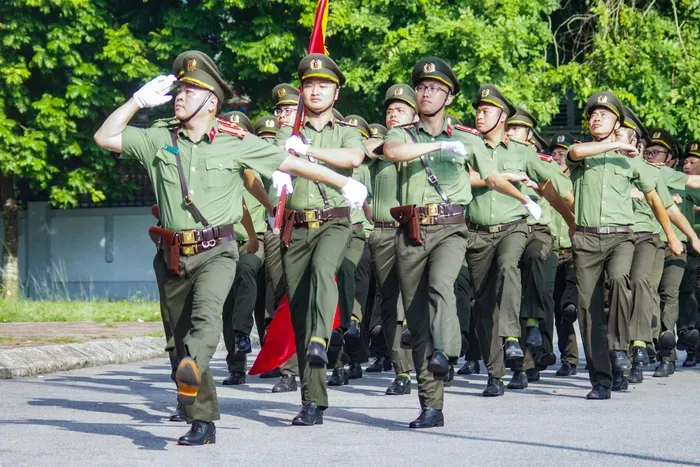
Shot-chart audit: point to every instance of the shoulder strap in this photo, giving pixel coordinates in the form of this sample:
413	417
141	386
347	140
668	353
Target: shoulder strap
432	179
183	183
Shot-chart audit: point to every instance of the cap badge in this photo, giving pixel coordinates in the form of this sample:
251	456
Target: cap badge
236	118
373	131
269	123
485	92
429	68
316	64
398	91
191	65
561	139
694	147
281	93
353	121
656	135
603	99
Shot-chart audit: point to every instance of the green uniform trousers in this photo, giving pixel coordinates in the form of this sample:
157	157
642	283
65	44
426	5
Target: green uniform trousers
427	275
165	318
687	300
383	254
564	294
195	301
603	261
493	260
646	248
240	302
310	265
666	316
464	294
537	275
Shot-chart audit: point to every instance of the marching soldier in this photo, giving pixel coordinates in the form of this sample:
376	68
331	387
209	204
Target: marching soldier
196	166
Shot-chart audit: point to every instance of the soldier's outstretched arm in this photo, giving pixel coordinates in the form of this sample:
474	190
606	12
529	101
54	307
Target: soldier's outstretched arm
680	221
582	150
256	188
395	151
316	172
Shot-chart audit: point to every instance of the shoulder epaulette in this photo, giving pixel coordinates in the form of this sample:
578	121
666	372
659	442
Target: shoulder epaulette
344	123
170	122
227	126
467	129
545	157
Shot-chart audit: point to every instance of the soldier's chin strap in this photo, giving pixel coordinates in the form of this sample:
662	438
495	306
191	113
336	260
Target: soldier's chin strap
617	119
198	109
500	114
313	112
447	96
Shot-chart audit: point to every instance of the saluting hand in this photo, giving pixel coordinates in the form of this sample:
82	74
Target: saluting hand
155	92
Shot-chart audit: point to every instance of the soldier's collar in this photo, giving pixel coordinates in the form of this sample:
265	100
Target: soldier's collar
307	122
207	137
446	127
505	142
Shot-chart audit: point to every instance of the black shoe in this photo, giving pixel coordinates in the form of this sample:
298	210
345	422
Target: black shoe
687	339
513	350
544	360
640	356
651	352
470	367
405	337
337	341
598	393
493	388
380	364
439	365
667	342
619	381
519	381
664	370
276	373
234	379
200	433
241	344
338	378
450	377
673	368
690	359
567	369
316	355
400	386
287	383
188	380
354	371
619	360
309	415
569	314
636	374
533	374
534	337
179	414
353	332
428	418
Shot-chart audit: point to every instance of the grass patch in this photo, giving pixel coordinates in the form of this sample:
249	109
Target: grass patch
23	311
155	334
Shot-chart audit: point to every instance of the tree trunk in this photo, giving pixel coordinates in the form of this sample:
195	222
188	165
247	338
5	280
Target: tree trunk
10	216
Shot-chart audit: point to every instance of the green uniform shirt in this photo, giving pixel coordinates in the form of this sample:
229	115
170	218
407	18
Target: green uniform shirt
560	230
450	169
644	218
306	194
676	182
362	175
385	185
491	207
257	213
602	188
213	169
561	184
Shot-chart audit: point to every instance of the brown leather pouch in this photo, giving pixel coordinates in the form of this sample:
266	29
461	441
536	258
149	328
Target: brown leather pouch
168	241
287	227
408	217
155	211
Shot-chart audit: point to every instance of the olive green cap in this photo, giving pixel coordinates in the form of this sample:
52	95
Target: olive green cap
522	118
607	100
633	122
196	68
452	120
400	92
661	137
266	125
491	95
435	68
561	140
320	66
692	149
538	141
240	119
337	115
285	94
377	130
360	123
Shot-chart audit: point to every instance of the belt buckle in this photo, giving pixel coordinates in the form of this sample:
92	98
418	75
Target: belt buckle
432	210
427	220
605	230
187	250
494	228
310	215
313	225
188	237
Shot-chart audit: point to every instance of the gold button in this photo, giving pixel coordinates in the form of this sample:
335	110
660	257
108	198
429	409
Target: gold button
193	169
191	192
189	215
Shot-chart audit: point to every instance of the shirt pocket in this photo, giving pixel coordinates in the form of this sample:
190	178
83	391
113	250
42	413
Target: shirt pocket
220	172
165	167
514	167
448	168
622	180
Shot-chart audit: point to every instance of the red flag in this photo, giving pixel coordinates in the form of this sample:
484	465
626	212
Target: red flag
317	43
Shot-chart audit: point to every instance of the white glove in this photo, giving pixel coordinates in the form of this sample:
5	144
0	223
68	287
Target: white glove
534	209
155	92
282	179
454	147
355	193
295	144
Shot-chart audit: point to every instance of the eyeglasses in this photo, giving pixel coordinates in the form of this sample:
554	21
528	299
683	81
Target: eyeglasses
432	89
286	111
656	154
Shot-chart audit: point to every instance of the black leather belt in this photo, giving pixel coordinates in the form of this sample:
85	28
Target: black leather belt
497	228
386	225
605	230
564	251
191	237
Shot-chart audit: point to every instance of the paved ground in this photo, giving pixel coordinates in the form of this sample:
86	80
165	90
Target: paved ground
116	415
34	334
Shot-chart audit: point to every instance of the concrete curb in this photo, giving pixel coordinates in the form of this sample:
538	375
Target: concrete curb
33	361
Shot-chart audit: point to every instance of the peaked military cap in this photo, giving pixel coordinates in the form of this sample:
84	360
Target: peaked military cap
320	66
285	94
360	123
240	119
196	68
523	118
607	100
538	141
435	68
561	140
661	137
633	122
266	125
692	149
377	130
452	120
491	95
337	115
400	92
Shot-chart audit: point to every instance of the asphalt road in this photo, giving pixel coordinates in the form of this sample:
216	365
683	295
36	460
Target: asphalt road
117	415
